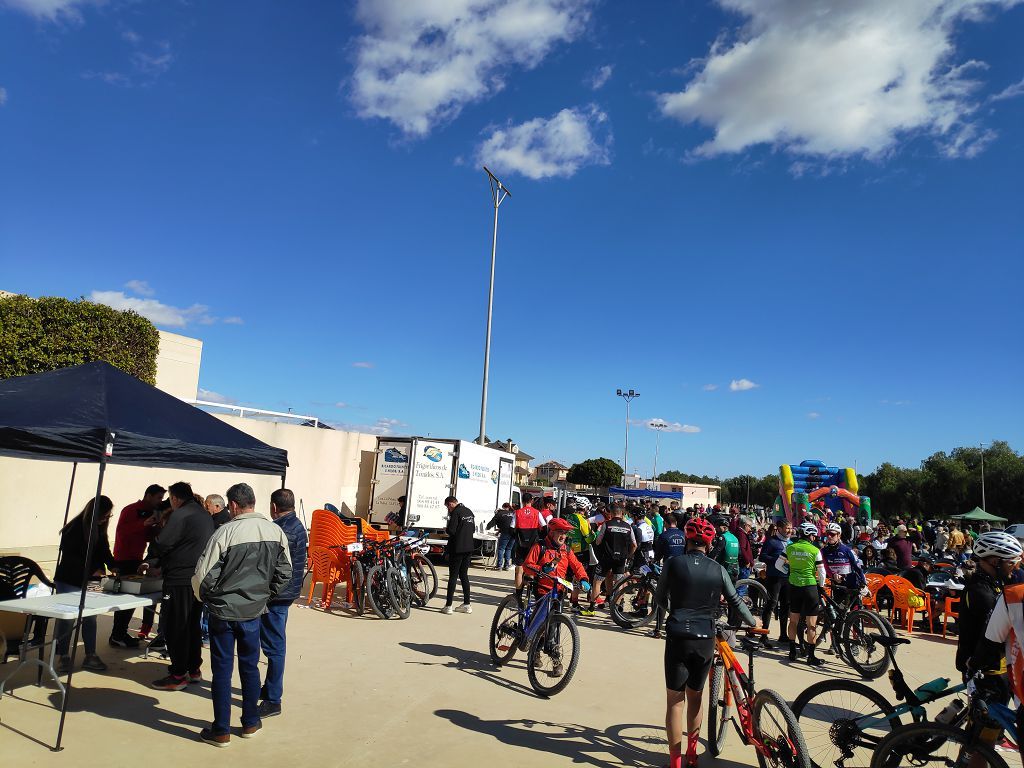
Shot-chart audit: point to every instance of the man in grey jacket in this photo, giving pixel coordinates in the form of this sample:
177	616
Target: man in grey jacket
245	565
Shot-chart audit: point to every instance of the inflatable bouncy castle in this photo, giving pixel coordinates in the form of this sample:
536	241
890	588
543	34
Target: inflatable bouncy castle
812	484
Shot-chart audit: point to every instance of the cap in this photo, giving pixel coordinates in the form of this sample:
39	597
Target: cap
558	525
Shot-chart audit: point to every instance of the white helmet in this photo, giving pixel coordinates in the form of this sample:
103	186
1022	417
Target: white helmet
833	528
808	530
998	544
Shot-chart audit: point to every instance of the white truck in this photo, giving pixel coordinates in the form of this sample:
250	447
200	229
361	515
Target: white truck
426	471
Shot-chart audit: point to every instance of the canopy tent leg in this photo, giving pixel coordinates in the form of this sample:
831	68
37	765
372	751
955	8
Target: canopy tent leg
86	572
67	511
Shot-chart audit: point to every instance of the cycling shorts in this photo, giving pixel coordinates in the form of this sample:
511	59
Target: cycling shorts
608	564
687	663
519	555
804	600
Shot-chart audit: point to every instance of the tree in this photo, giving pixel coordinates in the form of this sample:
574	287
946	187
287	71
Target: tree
597	473
674	476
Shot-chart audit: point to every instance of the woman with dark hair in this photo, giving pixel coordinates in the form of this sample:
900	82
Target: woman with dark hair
72	574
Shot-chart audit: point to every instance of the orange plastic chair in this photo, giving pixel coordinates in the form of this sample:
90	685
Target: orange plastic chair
902	590
875	581
947	611
327	571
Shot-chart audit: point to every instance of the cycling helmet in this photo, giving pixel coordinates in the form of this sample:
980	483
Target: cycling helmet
718	520
699	530
833	528
807	530
997	544
558	525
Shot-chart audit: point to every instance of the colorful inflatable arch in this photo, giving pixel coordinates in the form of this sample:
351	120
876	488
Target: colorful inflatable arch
811	483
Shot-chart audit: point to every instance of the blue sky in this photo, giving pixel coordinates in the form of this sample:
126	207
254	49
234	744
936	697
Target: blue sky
795	227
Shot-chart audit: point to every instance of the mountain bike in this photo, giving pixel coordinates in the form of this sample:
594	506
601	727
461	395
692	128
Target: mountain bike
762	718
632	600
852	630
525	621
936	744
845	720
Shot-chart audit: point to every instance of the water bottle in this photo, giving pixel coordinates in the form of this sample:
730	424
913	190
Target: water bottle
946	716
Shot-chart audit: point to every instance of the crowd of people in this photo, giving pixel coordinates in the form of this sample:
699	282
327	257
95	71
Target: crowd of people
229	574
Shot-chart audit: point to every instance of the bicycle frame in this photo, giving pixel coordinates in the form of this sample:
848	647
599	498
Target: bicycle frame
739	690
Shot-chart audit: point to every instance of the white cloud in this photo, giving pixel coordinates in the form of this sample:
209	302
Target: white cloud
362	364
342	405
895	402
670	426
600	77
3	96
48	9
141	287
110	78
214	397
742	385
234	320
1010	92
542	148
709	387
156	311
833	79
382	426
813	415
155	63
420	62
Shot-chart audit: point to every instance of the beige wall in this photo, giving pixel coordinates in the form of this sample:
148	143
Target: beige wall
177	365
325	465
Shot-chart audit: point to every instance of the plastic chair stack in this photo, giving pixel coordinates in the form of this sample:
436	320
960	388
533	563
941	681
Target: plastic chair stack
902	592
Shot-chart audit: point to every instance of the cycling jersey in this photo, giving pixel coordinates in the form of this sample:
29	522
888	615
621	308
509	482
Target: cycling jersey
671	543
543	553
575	538
616	540
527	523
1006	627
805	563
690	589
843	566
977	601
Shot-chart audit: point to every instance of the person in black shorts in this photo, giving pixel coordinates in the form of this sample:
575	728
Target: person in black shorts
690	588
615	545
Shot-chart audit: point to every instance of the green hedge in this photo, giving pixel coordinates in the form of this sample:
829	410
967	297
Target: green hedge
38	335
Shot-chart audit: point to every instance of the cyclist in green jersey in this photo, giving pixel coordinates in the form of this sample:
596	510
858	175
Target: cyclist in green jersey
726	548
806	569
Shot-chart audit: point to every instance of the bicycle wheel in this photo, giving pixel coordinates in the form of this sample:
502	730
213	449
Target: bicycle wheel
843	719
756	595
719	708
933	744
419	581
632	603
377	591
429	576
357	577
399	592
861	650
506	627
553	655
775	726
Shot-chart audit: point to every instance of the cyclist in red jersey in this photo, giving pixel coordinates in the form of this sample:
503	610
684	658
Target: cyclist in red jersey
556	559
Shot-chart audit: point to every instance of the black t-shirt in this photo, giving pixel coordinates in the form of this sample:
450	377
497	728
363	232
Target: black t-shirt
615	543
977	600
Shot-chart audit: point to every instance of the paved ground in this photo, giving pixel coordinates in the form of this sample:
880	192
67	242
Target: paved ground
360	691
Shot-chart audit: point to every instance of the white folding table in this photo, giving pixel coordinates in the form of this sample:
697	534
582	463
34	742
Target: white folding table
63	606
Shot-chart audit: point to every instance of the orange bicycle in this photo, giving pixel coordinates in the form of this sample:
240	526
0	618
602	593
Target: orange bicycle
762	718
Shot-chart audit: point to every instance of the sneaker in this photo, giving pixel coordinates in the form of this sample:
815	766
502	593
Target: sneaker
63	665
588	612
143	633
216	739
447	610
171	683
814	661
124	642
556	671
93	663
464	608
266	709
1005	745
250	730
195	677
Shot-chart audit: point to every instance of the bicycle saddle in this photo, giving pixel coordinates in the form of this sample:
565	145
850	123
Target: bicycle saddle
890	642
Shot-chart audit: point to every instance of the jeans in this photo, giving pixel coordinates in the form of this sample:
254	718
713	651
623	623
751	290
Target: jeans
204	624
744	574
179	622
506	546
65	628
272	640
458	566
224	636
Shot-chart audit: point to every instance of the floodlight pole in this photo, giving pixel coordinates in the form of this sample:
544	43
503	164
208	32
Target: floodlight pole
981	446
628	396
498	194
657	426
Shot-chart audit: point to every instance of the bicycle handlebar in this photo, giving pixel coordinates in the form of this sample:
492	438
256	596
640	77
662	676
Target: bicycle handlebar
744	628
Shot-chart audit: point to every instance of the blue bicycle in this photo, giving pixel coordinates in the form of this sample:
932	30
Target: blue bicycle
526	621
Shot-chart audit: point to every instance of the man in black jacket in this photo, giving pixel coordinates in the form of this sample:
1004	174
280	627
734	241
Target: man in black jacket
273	622
176	550
461	524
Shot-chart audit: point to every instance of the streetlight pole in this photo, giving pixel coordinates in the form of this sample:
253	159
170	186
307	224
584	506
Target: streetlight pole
498	194
628	396
657	426
981	446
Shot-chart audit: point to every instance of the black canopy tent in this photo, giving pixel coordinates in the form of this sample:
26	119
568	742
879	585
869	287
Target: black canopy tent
96	413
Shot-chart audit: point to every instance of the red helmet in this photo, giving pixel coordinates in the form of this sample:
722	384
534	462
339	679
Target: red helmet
698	529
558	525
